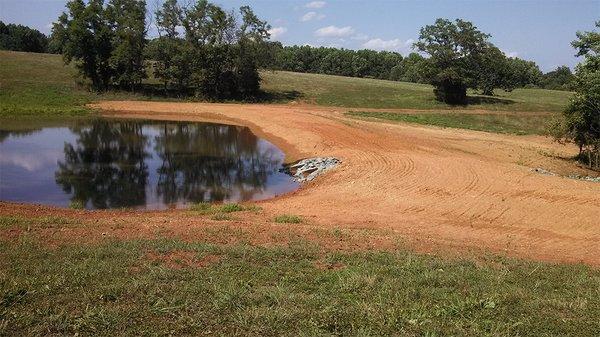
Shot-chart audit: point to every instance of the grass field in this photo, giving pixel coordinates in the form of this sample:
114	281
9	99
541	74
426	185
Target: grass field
520	124
369	93
40	84
166	286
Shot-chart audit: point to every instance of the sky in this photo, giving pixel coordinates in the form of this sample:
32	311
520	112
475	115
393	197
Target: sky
538	30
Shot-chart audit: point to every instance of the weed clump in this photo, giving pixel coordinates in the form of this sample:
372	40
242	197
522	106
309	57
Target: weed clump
288	218
77	204
201	207
230	208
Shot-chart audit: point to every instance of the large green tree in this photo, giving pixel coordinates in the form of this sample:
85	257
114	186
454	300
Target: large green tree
524	73
128	21
460	57
580	122
105	41
85	36
172	56
225	50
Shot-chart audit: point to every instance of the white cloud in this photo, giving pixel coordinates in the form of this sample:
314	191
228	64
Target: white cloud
315	4
360	37
277	32
510	53
333	31
390	45
312	15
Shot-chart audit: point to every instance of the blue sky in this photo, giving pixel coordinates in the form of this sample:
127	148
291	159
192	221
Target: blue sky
538	30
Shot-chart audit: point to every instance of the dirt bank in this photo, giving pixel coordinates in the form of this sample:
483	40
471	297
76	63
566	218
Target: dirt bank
434	187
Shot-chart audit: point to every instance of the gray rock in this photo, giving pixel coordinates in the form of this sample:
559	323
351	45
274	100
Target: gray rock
572	176
308	169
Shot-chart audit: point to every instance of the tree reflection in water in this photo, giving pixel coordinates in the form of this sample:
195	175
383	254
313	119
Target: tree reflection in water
210	162
112	163
106	165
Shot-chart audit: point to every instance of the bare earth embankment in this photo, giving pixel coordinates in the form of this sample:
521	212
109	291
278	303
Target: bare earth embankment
437	189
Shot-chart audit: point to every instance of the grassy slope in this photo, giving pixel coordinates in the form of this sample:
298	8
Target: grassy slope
41	84
166	286
369	93
37	84
514	123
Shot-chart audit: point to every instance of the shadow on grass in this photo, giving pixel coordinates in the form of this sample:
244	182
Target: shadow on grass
278	96
160	92
488	100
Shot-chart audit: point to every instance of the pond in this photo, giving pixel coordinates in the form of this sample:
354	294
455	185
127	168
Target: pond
106	163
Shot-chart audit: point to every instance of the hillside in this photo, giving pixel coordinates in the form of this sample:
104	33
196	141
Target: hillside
380	94
42	83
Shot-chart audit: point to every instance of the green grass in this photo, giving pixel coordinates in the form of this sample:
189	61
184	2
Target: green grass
114	288
288	218
40	85
39	222
520	124
209	208
370	93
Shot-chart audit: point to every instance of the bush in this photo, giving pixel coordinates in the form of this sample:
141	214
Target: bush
451	91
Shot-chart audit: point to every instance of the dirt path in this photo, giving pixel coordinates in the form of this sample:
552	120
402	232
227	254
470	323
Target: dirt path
434	187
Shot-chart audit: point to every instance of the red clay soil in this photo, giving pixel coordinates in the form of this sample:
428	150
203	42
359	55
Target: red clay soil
434	188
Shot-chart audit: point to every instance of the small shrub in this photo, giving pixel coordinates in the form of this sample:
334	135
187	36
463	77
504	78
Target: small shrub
77	204
288	218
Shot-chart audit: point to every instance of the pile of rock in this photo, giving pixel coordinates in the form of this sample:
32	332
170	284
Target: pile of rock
572	176
308	169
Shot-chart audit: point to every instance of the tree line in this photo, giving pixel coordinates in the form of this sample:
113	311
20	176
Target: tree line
510	72
22	38
118	31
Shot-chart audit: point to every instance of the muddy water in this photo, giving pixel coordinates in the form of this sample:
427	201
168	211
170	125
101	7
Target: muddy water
138	164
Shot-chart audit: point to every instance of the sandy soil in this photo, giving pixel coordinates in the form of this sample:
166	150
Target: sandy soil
435	188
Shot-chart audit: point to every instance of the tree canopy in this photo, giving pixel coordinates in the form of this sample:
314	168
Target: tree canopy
216	53
105	40
461	57
22	38
580	122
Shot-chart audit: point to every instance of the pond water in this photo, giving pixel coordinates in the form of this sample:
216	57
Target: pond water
107	163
